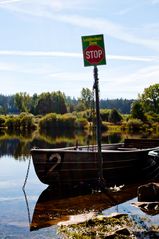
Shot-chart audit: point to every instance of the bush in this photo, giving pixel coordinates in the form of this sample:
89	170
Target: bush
134	124
12	122
2	121
155	127
66	121
26	122
152	117
48	121
114	116
81	123
104	114
87	114
23	121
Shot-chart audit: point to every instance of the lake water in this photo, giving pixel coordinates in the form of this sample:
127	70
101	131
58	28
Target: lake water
17	207
14	221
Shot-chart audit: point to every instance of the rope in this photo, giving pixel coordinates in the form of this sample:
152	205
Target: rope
27	205
23	188
26	177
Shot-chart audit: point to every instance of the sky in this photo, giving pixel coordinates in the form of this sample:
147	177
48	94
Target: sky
41	48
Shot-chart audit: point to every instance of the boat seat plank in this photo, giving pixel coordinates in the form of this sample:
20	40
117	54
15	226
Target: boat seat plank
126	149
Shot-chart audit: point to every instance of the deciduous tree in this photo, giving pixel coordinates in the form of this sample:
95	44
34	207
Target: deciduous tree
54	102
84	102
137	111
150	99
22	101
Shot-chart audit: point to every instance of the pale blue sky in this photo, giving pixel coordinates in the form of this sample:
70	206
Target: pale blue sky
41	50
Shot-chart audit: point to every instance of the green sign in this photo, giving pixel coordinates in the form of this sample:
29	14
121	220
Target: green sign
93	50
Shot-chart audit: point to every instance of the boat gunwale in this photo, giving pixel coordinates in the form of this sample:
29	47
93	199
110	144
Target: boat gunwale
92	151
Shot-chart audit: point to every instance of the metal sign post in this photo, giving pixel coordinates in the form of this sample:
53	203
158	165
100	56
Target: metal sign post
98	123
93	55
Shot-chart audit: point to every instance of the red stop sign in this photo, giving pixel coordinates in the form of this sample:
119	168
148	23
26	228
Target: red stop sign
94	54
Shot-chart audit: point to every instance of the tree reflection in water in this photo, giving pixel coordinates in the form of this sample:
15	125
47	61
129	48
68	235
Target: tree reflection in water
18	143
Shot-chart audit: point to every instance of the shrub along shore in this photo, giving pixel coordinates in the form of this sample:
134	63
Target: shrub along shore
110	119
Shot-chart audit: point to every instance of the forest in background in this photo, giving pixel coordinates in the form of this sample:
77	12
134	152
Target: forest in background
55	110
57	102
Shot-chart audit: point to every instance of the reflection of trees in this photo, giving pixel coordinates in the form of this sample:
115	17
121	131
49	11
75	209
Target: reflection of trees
57	133
110	138
15	144
14	147
114	138
18	144
60	138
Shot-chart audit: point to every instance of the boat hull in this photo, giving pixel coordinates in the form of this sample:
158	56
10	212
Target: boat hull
120	165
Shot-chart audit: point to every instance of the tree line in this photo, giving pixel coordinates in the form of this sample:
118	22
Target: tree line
55	110
57	102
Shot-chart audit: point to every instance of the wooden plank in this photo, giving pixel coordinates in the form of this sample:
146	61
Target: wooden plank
141	143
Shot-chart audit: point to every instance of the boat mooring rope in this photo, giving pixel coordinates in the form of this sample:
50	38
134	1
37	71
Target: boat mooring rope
27	173
23	188
27	205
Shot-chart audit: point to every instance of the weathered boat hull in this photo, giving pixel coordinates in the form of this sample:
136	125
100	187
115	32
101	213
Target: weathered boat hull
120	165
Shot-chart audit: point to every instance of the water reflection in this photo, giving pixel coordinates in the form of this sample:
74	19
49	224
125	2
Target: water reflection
19	143
59	204
112	138
68	200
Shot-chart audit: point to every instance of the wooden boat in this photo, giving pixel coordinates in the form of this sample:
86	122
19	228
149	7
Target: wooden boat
122	163
58	205
111	163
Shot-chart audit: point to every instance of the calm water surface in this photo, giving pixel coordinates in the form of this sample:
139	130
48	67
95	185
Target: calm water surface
16	213
14	218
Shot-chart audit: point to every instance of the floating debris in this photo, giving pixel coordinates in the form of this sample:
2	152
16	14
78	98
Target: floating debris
116	188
